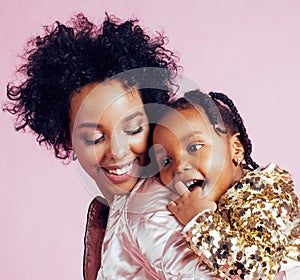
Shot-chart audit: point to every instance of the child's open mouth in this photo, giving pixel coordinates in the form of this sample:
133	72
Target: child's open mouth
194	183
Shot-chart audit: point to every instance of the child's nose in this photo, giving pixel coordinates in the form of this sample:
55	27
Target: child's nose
184	166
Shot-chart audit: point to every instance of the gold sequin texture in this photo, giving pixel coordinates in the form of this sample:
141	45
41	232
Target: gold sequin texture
255	229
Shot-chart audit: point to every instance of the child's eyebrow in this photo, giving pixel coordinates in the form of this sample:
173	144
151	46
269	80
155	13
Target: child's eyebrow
189	135
159	150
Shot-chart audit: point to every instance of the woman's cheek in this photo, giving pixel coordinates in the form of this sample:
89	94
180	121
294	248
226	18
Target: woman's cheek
89	155
139	143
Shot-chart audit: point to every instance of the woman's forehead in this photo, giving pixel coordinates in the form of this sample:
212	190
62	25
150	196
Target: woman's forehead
101	96
99	99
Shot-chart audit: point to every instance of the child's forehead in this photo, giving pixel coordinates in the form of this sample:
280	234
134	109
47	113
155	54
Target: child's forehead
186	114
181	121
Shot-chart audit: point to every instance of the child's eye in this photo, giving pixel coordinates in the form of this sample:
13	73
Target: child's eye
165	161
194	147
134	131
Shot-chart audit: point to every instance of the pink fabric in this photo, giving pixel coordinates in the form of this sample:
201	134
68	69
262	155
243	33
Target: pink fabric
143	240
280	276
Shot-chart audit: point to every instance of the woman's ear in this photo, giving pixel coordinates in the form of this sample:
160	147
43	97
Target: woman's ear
69	145
237	149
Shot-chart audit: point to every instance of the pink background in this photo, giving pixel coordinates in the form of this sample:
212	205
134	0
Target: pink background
247	49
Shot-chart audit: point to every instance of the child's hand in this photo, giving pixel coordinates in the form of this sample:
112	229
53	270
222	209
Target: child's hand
190	203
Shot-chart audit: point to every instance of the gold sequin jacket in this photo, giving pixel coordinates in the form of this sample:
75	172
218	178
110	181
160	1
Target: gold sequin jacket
255	229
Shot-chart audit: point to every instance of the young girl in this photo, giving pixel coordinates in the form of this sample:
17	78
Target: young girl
242	220
85	94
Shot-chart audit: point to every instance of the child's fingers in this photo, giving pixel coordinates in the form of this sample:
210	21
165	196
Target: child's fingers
172	206
181	188
199	191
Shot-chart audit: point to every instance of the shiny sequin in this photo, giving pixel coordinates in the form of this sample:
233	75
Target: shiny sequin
255	229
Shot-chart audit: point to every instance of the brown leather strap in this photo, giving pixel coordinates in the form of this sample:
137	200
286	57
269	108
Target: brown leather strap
95	229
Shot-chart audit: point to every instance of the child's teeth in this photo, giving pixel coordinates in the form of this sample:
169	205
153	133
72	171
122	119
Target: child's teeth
188	184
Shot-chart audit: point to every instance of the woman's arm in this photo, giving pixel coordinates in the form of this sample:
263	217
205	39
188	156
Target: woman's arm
94	234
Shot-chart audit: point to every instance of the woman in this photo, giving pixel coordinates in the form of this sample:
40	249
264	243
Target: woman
89	93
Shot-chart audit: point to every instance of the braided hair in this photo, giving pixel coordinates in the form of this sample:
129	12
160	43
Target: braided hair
221	112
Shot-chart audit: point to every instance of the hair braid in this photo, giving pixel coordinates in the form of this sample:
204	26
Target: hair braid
238	122
193	97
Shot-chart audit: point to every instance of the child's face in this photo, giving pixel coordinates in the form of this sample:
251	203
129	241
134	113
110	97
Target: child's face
110	134
188	149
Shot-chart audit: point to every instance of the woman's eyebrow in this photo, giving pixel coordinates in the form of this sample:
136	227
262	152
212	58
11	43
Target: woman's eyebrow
132	116
97	125
89	125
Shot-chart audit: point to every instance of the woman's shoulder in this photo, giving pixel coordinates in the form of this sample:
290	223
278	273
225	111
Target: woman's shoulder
150	195
152	185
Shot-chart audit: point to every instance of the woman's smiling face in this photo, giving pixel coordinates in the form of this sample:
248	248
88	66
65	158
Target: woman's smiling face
110	130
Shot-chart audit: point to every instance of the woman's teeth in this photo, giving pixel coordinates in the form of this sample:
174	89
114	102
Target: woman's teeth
121	171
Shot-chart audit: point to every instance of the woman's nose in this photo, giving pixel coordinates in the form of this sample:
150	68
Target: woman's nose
118	147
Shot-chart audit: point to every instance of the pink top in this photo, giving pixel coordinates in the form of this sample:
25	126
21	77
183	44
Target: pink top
143	240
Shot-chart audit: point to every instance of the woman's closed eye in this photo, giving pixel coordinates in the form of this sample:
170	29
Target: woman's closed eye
133	131
98	137
194	147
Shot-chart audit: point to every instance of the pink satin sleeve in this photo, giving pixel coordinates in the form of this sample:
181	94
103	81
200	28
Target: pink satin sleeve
144	241
158	235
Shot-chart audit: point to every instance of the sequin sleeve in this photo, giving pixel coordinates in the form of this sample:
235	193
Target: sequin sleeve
254	230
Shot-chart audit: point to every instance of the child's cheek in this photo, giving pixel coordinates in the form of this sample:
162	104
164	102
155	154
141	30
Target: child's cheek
165	178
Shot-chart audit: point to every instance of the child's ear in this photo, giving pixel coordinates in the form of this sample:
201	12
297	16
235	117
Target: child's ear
237	149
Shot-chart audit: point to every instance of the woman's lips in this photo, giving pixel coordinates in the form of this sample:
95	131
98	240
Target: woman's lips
120	173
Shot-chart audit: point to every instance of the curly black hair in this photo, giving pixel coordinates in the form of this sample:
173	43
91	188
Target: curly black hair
69	56
222	114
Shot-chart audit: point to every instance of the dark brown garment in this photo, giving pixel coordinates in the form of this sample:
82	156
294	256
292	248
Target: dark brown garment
95	229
